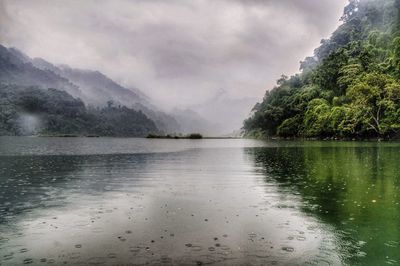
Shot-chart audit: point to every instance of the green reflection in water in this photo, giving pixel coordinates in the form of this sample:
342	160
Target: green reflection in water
354	187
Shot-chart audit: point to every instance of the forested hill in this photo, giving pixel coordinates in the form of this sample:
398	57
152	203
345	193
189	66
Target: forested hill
40	101
349	88
92	87
28	110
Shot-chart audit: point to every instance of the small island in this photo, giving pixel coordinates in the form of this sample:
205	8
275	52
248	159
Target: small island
168	136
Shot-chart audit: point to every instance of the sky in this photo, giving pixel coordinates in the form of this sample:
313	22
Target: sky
182	53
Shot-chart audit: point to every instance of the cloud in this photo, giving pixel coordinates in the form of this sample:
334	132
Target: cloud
178	52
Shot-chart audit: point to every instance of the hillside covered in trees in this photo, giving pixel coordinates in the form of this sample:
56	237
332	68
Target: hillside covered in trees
33	110
349	88
35	100
92	87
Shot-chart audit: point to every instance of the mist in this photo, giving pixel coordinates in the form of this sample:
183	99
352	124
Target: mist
29	124
182	54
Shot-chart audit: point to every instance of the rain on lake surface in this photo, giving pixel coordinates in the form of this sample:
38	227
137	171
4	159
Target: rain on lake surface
117	201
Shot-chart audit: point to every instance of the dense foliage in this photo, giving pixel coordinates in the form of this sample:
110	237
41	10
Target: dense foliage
350	88
32	110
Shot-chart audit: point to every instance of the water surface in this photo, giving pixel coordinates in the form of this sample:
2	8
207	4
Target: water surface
193	202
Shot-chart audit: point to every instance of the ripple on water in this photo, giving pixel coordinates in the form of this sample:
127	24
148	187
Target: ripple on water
112	255
97	230
301	238
288	249
225	247
391	262
95	261
122	239
4	240
392	244
165	260
8	256
252	235
135	249
196	248
23	250
322	262
361	254
81	223
28	261
74	255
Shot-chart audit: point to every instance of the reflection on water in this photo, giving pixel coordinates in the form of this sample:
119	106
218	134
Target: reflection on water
113	201
354	188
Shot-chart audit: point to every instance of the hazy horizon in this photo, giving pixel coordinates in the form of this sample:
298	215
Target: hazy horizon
215	57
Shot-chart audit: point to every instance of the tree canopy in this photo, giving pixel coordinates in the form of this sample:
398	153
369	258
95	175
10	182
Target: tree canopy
349	88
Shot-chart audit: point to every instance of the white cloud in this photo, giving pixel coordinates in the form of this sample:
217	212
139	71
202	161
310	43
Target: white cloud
178	52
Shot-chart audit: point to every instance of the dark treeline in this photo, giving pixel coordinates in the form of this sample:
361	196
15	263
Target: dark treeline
180	136
26	110
350	88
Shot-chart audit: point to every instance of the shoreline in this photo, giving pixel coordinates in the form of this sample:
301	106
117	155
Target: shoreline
322	139
211	137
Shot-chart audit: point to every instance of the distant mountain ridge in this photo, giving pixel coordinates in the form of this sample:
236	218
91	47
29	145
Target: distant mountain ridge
96	88
93	87
15	68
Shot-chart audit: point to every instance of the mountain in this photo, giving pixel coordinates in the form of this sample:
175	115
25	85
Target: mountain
349	88
42	100
167	123
93	87
28	110
191	122
223	107
97	89
16	68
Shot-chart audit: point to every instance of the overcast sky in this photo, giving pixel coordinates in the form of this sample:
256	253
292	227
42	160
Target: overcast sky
179	52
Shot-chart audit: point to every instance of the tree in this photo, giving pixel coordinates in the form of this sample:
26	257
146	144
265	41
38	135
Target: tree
376	102
316	118
350	10
291	127
349	87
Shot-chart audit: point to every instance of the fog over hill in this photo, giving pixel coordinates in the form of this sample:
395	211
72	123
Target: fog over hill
93	87
179	53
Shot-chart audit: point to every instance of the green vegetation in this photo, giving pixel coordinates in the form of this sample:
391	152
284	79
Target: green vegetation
190	136
350	88
51	112
352	186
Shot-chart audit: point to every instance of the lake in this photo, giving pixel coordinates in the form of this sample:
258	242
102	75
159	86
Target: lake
133	201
